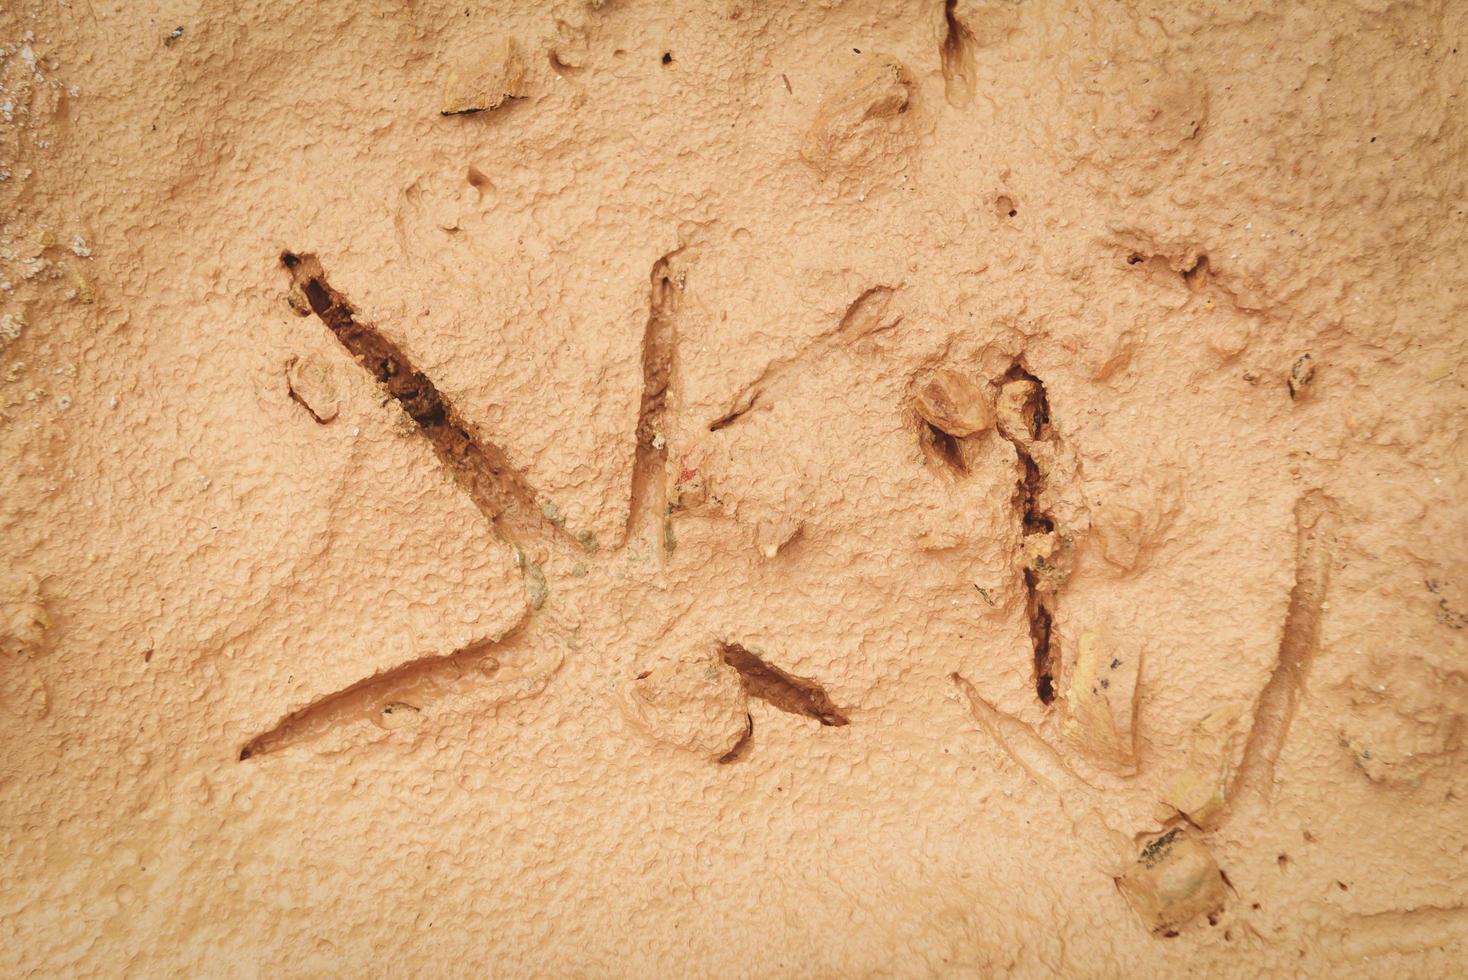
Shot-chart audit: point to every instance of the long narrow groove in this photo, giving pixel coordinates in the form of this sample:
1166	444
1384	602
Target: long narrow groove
649	505
1039	605
1401	930
863	317
1315	521
479	467
406	687
1020	742
797	695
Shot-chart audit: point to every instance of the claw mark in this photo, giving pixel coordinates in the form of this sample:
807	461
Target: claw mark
1315	523
1021	743
1044	765
514	666
957	53
479	467
787	692
865	317
1404	930
649	505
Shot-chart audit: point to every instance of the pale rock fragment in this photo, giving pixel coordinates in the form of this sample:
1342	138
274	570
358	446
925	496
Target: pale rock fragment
773	534
23	619
500	77
314	383
1101	704
1112	358
1015	410
696	703
1228	336
536	589
1120	530
1050	558
1200	790
859	121
11	327
1173	881
952	403
1302	374
397	715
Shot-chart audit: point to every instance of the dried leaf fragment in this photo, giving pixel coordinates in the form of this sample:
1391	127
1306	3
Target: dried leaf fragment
1199	791
1101	702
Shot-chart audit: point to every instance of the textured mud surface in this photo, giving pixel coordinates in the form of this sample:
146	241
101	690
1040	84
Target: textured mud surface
833	488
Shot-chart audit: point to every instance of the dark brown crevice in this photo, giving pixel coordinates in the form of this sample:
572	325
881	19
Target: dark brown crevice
479	467
957	55
403	688
941	447
797	695
1039	604
649	472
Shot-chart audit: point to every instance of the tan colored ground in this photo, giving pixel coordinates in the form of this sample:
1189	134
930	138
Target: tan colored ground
762	378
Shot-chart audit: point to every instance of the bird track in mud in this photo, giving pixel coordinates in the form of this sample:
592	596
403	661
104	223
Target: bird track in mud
481	469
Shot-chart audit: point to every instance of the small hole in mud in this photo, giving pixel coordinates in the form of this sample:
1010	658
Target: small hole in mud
1283	861
1197	276
1004	206
1045	688
667	58
1342	886
1133	259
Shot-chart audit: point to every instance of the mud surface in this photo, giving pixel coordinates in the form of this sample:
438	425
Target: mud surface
776	488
